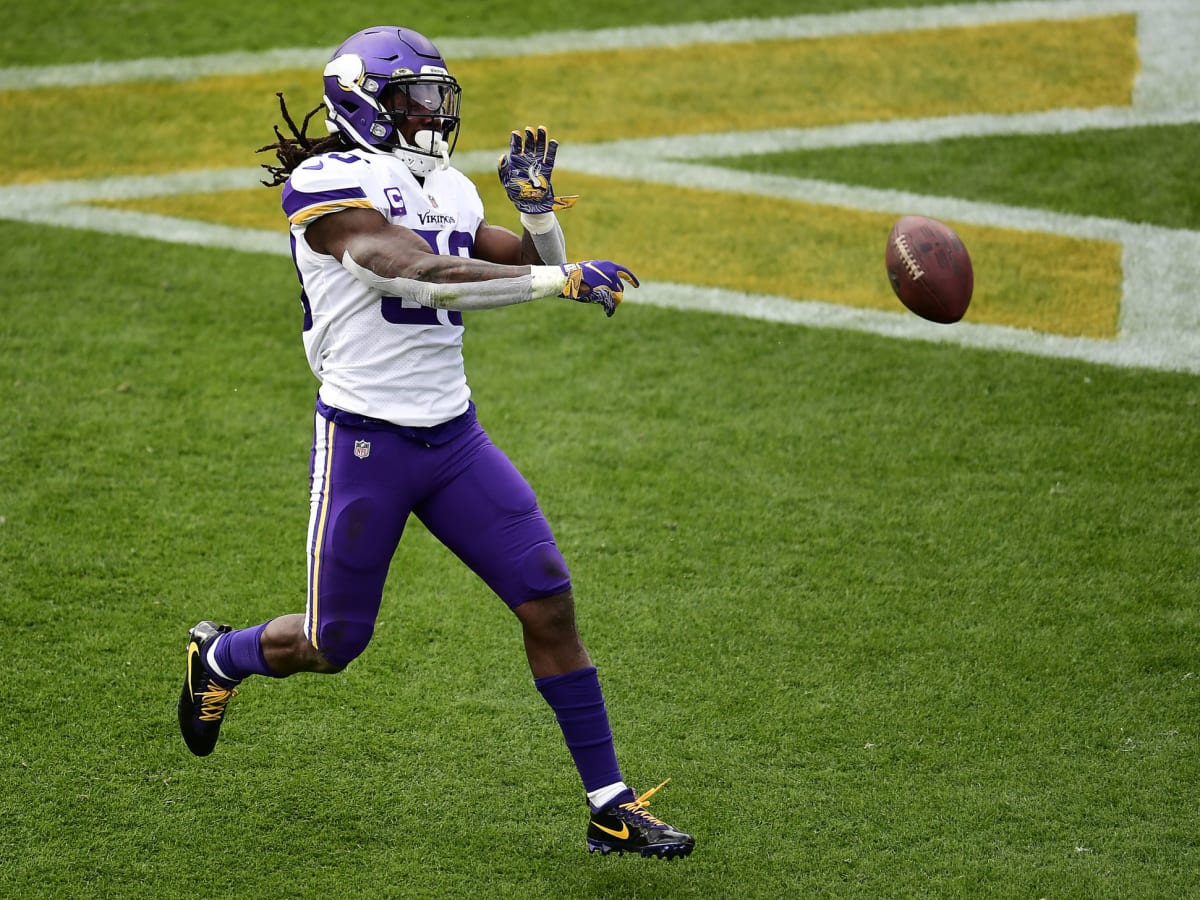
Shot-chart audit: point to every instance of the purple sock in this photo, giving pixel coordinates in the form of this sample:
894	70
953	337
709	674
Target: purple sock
239	654
579	706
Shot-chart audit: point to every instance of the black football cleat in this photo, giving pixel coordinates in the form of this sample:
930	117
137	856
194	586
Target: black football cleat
202	702
628	827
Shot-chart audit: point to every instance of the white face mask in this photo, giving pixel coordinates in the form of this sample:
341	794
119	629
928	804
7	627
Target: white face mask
418	163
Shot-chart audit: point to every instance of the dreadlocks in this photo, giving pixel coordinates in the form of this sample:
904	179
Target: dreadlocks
292	151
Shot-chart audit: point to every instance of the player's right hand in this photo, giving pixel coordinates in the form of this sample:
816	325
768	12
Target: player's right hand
597	281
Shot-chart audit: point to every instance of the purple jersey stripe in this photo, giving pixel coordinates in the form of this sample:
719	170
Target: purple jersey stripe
294	201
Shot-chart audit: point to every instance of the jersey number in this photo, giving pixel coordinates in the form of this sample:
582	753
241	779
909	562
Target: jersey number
400	311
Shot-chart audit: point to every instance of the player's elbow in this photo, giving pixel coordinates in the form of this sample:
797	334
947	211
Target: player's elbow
422	267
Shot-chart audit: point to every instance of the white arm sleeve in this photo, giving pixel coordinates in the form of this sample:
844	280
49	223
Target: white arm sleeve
547	236
542	281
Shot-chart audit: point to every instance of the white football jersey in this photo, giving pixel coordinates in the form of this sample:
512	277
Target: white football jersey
375	355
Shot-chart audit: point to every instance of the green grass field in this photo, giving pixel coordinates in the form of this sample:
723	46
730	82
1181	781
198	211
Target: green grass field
898	618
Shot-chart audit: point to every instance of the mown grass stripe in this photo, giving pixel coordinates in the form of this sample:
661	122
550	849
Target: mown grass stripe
728	31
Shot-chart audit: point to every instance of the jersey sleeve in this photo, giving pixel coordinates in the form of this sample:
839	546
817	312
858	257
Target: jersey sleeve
322	186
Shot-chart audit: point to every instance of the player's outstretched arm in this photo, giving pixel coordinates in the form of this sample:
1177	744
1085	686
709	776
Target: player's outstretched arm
393	251
397	262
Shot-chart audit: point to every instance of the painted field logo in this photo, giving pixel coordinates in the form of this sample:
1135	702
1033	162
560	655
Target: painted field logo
1053	280
362	449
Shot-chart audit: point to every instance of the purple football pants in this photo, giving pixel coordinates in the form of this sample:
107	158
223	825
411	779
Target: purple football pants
368	476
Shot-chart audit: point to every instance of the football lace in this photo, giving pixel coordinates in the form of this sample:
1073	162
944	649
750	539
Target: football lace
907	257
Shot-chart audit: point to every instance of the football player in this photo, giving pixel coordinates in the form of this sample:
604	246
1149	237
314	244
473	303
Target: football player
391	247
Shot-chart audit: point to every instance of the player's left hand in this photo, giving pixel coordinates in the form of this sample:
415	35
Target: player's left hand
525	173
597	281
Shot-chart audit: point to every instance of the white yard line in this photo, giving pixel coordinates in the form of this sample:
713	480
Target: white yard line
1160	316
817	314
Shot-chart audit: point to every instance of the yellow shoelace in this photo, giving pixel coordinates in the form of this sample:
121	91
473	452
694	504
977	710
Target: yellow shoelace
213	701
639	805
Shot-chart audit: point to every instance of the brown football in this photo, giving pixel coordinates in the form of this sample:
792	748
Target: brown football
929	269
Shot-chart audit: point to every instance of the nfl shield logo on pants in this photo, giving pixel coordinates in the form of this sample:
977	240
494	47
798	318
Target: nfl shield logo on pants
362	449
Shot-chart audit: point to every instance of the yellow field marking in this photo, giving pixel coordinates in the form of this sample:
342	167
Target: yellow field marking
760	245
254	208
91	132
218	122
1009	68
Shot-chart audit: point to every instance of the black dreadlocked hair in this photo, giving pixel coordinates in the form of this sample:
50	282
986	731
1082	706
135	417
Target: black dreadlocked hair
292	151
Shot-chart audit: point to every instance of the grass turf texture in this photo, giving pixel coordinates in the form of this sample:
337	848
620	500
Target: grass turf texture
923	620
926	614
1136	174
82	31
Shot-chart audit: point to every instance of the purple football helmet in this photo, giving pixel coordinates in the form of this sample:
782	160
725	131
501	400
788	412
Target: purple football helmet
378	79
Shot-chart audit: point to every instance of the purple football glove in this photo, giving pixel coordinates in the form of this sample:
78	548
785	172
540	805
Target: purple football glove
597	281
525	173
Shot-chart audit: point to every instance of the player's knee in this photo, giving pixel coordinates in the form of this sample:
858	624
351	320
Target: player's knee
340	643
544	571
549	619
